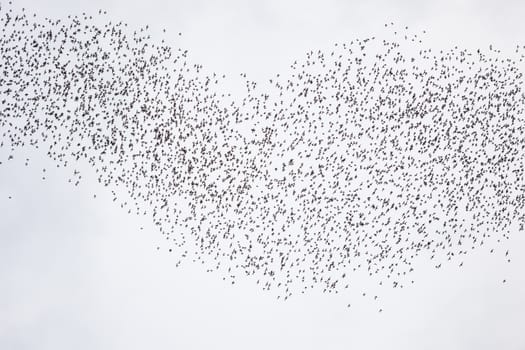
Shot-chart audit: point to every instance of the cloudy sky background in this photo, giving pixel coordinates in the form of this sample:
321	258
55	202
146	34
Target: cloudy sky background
78	273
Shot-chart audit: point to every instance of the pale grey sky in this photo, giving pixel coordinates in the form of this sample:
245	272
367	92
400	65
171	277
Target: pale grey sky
78	273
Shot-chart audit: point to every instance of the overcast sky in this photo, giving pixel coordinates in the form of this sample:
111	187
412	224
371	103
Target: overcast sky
78	273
